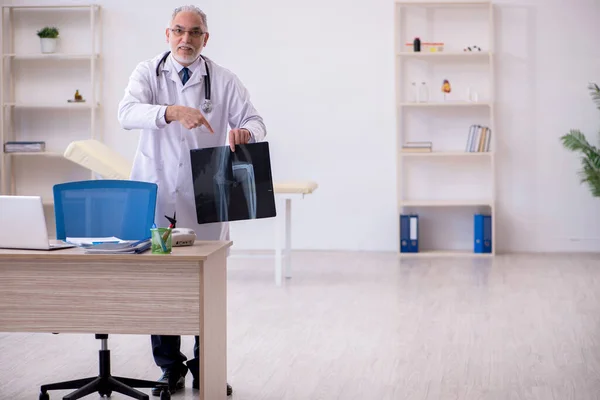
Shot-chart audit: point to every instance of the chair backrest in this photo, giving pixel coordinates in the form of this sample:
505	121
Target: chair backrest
104	208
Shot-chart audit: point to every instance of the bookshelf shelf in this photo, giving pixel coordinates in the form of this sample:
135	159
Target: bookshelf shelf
426	177
447	203
445	253
35	154
439	4
489	154
444	55
447	104
77	7
53	56
65	105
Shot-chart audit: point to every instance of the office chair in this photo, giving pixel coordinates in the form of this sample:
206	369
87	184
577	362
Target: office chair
104	208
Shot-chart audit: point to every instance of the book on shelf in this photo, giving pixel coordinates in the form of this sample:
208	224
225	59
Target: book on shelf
24	147
417	147
479	139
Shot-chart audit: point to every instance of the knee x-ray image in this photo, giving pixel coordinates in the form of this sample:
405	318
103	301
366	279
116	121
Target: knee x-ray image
233	186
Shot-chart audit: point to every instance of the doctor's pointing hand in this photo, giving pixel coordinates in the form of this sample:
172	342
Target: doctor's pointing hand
162	100
188	117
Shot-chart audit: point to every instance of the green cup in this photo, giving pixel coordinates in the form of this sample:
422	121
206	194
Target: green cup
161	240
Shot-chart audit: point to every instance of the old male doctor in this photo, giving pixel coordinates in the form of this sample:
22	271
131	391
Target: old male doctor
169	99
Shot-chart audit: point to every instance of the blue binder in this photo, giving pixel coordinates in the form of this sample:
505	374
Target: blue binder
404	234
409	233
482	233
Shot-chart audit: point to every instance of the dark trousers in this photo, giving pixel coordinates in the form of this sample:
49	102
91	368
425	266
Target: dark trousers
167	354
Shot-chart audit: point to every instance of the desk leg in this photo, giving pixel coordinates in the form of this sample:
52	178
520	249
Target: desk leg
279	233
287	256
213	328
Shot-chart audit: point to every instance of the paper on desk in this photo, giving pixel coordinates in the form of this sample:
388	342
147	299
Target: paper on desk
90	241
123	247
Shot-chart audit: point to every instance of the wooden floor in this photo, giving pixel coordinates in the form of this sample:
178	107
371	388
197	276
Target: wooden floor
372	326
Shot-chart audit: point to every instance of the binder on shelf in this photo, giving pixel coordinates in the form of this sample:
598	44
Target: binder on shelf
409	233
482	233
404	233
414	234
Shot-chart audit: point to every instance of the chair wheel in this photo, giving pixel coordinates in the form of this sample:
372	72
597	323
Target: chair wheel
165	394
44	396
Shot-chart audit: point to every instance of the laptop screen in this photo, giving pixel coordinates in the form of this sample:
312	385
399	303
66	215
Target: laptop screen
233	186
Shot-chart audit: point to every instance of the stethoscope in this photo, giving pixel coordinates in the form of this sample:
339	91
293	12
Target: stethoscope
207	103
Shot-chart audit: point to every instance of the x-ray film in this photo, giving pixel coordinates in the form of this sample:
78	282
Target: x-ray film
233	186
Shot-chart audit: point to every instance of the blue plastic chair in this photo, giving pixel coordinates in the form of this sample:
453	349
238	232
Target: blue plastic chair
104	208
100	208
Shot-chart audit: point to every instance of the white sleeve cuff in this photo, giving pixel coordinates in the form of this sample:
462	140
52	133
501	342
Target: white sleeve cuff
161	122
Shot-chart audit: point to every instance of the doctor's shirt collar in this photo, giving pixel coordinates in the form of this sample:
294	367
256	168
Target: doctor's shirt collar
197	65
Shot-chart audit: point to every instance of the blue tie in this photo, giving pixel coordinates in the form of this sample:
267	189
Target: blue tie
186	75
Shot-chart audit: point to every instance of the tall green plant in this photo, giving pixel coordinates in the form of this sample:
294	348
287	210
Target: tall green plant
590	155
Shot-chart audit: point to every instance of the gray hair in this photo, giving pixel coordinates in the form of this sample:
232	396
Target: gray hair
193	9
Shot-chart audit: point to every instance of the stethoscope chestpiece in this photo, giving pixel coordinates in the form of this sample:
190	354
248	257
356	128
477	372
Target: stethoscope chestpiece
207	106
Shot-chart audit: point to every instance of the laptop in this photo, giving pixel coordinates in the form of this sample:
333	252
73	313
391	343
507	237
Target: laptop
233	186
23	224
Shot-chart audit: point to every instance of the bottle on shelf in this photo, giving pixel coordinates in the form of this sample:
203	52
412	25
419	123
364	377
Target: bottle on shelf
414	92
417	44
423	93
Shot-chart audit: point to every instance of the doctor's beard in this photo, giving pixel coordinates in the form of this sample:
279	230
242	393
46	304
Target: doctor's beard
185	59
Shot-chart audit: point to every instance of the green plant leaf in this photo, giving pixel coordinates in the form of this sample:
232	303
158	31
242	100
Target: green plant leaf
590	173
595	93
576	141
48	32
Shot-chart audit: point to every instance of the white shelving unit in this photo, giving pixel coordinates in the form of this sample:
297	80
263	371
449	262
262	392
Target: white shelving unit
35	88
457	183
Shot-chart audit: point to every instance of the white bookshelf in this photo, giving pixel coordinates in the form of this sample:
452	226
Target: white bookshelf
36	87
448	184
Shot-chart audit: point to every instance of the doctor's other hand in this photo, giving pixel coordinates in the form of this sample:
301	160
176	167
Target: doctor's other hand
238	136
188	117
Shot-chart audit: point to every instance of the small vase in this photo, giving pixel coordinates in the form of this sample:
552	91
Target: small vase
48	45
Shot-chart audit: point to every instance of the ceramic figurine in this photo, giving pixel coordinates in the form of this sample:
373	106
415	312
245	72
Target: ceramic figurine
77	98
446	88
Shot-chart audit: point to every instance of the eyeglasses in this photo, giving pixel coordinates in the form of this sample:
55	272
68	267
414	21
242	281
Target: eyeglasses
180	32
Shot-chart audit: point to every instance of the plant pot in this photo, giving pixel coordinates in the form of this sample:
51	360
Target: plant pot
48	45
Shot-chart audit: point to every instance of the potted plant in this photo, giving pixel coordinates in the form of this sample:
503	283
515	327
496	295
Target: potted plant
590	155
48	38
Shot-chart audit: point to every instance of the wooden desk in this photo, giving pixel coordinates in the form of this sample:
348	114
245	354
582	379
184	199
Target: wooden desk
183	293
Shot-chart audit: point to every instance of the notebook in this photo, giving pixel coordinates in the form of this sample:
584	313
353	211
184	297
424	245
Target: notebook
233	186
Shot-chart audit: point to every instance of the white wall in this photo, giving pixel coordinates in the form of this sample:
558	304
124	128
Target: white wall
322	74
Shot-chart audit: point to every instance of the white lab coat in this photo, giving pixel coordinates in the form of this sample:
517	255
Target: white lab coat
163	153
